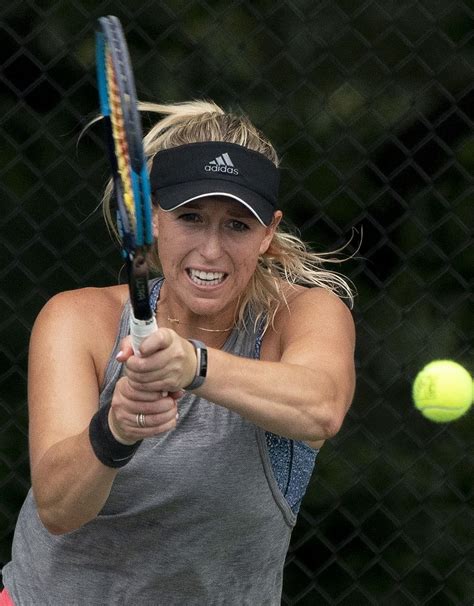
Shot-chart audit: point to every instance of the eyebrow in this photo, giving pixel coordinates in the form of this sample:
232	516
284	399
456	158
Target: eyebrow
238	210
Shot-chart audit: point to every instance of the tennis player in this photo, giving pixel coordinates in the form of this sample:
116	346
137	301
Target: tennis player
190	497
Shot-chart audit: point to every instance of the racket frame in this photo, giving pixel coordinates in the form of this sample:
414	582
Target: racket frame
135	232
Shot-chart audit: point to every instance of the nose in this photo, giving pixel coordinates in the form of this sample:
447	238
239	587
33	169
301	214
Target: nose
211	246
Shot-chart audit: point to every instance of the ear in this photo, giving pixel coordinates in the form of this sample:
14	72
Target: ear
270	232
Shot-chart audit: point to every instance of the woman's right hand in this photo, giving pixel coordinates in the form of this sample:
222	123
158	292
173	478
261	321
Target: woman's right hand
135	415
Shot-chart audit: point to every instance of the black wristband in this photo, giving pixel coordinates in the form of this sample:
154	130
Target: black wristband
107	449
201	371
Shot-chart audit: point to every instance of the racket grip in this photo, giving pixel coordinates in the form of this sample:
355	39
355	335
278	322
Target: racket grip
139	330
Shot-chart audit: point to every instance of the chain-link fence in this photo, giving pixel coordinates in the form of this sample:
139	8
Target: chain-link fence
370	105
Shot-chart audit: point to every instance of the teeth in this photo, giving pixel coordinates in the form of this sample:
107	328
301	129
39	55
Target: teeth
206	277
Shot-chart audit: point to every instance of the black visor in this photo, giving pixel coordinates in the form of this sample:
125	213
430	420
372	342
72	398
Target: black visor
182	174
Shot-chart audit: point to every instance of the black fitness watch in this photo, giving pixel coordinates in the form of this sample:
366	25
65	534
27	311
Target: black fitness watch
201	370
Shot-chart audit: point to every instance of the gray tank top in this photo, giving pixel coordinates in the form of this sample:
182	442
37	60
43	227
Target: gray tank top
201	515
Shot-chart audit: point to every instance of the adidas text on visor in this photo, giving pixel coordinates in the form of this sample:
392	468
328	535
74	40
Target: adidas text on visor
188	172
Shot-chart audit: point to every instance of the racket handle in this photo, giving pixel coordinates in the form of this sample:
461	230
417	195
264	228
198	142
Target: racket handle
139	330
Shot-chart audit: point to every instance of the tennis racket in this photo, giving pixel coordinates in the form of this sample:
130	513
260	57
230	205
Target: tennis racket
131	185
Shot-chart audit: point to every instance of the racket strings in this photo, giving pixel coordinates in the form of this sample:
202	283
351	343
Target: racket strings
121	145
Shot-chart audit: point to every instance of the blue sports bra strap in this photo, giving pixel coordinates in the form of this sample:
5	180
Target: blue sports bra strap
155	287
292	461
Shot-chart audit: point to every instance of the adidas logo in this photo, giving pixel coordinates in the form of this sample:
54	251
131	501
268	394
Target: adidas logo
222	164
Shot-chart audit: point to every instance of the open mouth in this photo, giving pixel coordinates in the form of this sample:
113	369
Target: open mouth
206	278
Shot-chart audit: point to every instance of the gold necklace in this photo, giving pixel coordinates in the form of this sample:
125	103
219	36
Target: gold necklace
176	321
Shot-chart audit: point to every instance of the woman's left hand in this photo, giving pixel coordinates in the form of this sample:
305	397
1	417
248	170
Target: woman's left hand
166	363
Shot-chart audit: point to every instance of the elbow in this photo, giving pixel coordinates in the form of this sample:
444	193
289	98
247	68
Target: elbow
57	524
333	410
332	426
52	523
330	404
57	530
48	512
327	422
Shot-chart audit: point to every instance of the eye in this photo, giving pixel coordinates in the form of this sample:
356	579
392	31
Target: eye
189	217
238	226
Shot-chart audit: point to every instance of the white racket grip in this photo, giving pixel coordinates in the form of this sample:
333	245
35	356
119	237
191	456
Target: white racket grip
139	330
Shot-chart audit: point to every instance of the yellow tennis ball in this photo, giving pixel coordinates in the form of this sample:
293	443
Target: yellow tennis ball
443	391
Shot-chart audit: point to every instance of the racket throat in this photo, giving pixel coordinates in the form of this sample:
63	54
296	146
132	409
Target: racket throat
138	283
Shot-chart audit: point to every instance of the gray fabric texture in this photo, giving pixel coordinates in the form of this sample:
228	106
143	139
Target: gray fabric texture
195	518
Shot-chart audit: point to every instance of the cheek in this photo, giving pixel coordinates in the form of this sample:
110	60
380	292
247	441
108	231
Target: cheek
169	238
166	251
247	259
173	249
248	251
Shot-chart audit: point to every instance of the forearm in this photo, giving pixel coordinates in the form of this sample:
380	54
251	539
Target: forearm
70	484
287	399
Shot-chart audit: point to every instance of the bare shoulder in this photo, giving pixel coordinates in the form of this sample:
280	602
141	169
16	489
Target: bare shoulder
299	294
308	311
85	319
84	307
315	302
90	297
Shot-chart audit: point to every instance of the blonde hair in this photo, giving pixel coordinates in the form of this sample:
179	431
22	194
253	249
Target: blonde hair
288	261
